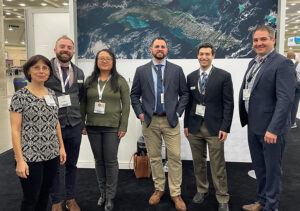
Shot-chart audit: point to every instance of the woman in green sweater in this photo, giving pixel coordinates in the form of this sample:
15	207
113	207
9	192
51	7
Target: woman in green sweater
105	109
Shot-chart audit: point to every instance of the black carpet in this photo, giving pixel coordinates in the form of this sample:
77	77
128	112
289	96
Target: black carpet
133	194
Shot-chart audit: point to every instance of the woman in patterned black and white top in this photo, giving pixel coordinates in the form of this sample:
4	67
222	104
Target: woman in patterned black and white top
36	135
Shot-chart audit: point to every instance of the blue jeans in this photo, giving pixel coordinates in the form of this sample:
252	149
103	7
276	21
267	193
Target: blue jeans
295	106
72	140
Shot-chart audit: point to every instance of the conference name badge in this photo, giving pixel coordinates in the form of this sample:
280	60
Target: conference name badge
246	94
64	101
192	88
200	110
49	100
162	98
99	108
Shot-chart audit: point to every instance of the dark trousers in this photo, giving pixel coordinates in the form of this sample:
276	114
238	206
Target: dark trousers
105	143
295	106
72	139
36	187
266	160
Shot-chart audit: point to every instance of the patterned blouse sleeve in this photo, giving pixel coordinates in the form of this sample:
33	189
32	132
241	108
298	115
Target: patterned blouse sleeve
16	103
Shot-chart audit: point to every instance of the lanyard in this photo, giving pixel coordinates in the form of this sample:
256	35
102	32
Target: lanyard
100	91
158	74
63	85
253	72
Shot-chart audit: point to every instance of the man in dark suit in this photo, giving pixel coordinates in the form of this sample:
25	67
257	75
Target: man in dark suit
159	96
265	102
207	121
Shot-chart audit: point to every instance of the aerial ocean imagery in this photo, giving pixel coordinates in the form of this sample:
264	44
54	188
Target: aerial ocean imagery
127	27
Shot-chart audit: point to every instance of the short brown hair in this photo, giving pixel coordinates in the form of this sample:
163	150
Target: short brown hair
265	28
65	37
32	61
291	55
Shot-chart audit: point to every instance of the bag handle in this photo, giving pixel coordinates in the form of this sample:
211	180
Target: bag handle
131	159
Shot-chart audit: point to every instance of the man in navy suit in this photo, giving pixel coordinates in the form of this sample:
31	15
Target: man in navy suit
159	96
265	102
207	121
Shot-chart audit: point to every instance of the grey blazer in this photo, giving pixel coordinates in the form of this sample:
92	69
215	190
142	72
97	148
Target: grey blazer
176	94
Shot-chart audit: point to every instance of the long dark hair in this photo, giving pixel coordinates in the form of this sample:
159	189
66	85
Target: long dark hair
114	74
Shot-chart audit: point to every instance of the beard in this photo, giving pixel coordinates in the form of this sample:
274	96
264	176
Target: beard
159	57
64	59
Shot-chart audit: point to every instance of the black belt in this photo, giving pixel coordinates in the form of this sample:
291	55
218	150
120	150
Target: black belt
156	114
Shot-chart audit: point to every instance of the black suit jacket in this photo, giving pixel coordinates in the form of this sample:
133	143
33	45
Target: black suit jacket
218	101
175	92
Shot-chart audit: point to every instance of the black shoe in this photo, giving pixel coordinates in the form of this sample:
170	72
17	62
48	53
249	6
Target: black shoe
109	205
101	199
199	197
223	207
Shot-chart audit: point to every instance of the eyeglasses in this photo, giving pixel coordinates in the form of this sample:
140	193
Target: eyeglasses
43	68
107	59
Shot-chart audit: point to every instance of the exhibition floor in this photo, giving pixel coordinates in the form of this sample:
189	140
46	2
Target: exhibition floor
133	194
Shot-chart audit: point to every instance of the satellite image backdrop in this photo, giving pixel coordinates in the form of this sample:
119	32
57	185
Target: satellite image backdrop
127	27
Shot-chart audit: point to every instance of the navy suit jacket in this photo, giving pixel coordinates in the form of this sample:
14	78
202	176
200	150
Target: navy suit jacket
218	101
175	92
271	97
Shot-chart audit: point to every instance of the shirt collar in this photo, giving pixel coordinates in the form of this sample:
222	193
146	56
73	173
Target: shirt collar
163	63
257	60
207	71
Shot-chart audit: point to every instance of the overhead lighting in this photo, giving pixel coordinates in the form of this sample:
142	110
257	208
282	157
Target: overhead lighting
10	28
296	27
43	4
298	11
23	43
293	4
286	25
65	4
287	8
8	0
19	16
7	13
6	41
286	30
286	18
22	5
3	5
297	20
15	10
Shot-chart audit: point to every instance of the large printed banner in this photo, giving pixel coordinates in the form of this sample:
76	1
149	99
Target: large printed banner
127	27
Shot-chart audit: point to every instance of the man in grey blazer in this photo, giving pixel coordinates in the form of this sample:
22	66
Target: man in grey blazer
207	122
159	96
265	102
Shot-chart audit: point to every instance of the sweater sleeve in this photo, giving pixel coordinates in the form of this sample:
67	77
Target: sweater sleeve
125	102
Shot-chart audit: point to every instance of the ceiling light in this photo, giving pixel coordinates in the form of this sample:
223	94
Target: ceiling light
43	4
8	0
287	8
293	4
297	20
65	4
23	43
286	30
8	13
298	11
296	27
286	18
15	10
19	16
10	28
22	4
6	41
3	5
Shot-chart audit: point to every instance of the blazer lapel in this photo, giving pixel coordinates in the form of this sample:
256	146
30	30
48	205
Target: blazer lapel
261	71
149	76
166	77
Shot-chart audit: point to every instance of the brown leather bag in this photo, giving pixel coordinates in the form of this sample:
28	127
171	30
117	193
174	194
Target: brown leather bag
142	167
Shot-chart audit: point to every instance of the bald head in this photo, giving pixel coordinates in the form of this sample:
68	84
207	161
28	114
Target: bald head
291	55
